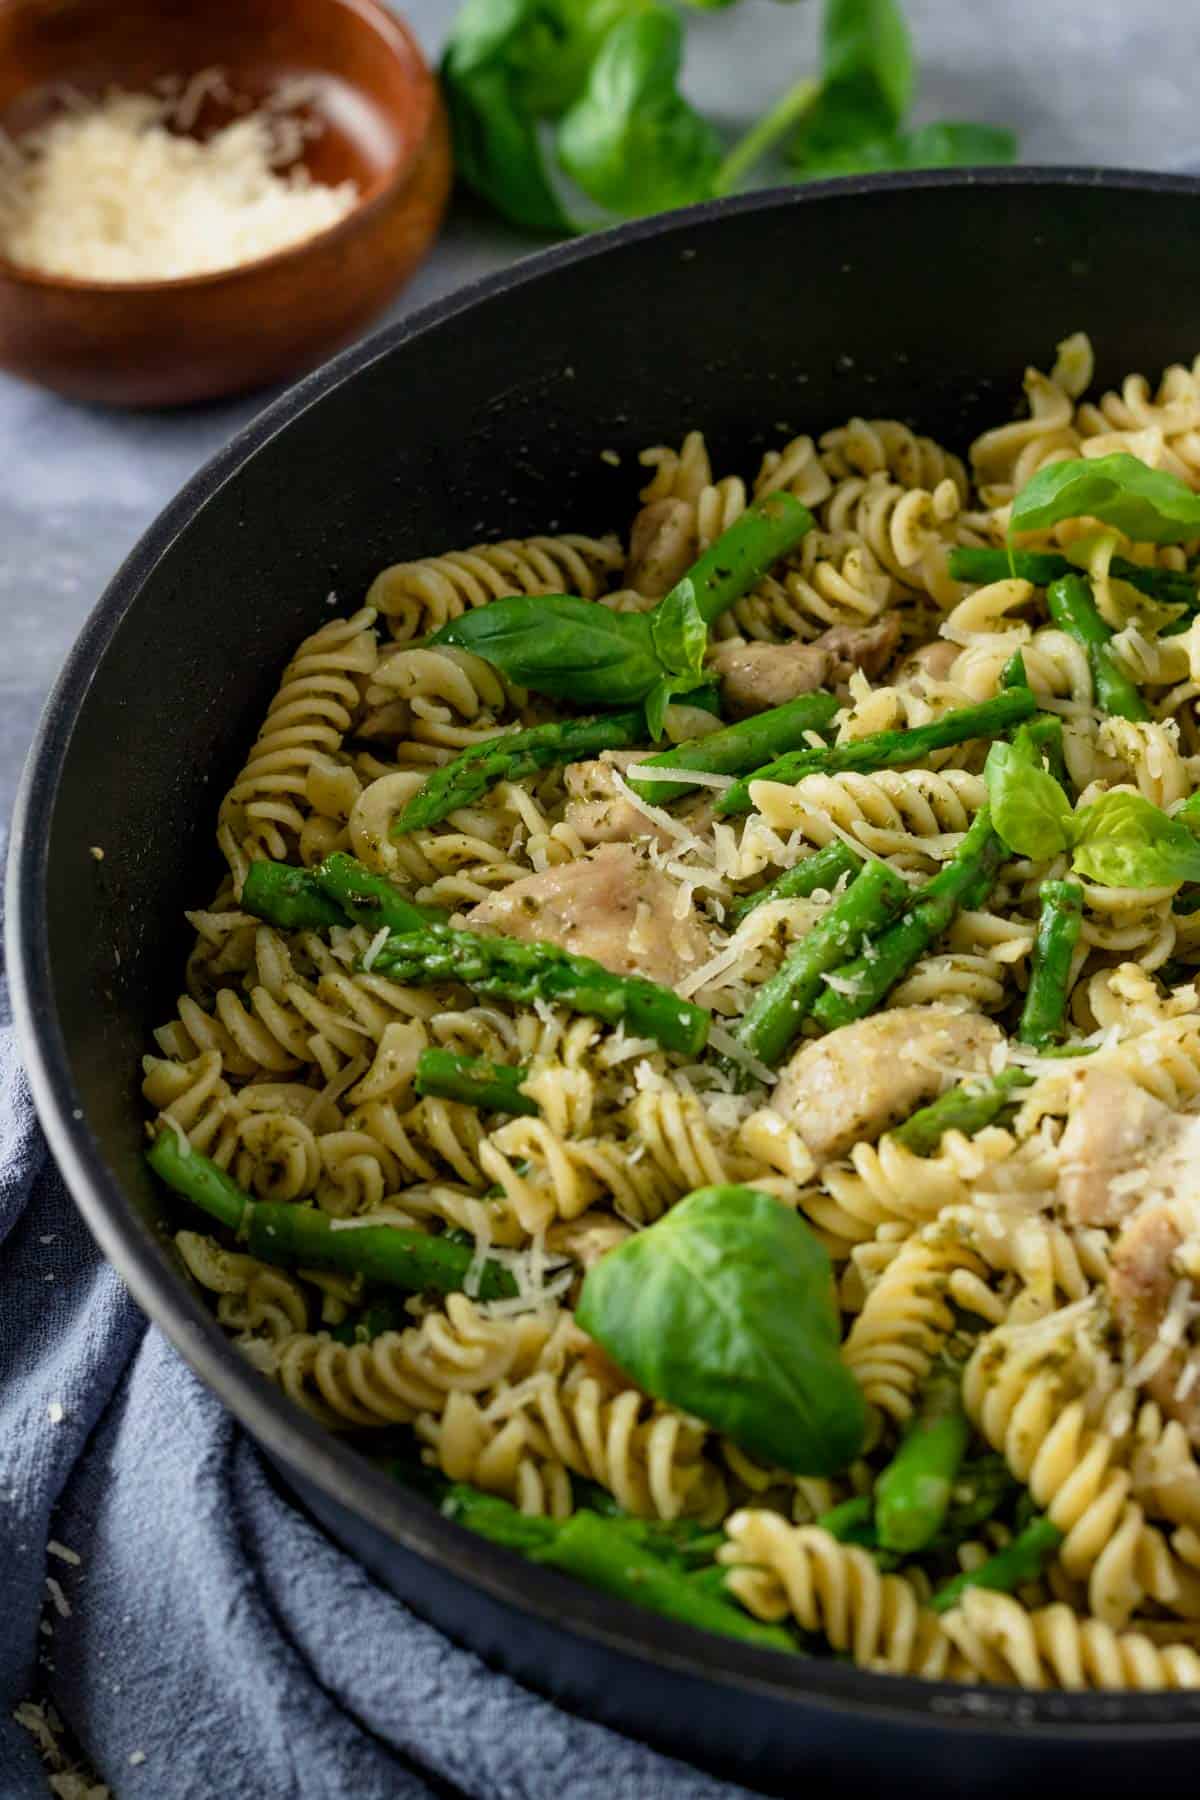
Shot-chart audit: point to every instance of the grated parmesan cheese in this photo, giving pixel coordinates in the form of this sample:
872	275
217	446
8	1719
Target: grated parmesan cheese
108	191
375	946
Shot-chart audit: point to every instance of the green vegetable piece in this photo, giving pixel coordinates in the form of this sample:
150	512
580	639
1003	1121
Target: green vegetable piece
1013	674
292	899
1019	1562
867	79
370	899
496	147
496	1519
1059	926
579	650
340	892
631	141
823	870
738	748
297	1236
744	553
943	145
964	882
852	1522
473	1081
1122	840
1171	586
966	1108
1029	809
511	757
528	972
725	1308
782	1003
370	1322
1074	611
595	1551
984	1484
1148	505
562	646
912	1494
889	749
783	117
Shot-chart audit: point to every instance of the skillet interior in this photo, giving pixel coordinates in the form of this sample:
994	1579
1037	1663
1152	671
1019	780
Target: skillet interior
919	297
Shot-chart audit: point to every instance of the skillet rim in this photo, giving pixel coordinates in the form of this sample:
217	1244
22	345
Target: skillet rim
338	1472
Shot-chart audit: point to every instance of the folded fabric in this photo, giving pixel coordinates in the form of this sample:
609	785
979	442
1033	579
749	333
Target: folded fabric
195	1632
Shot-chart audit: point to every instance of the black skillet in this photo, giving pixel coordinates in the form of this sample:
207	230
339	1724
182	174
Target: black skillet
922	297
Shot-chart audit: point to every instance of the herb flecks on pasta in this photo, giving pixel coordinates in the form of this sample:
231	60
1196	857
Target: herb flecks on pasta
701	1035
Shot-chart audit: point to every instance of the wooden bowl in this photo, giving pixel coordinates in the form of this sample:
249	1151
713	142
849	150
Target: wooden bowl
159	343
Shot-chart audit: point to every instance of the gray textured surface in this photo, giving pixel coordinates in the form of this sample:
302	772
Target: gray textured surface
1083	80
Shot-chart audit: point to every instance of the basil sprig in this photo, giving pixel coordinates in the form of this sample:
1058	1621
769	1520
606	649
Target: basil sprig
559	107
579	650
1149	505
726	1309
1120	840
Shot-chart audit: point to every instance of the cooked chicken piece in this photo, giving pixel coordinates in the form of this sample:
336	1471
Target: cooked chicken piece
587	1238
934	661
1111	1126
611	906
600	814
1143	1281
662	546
866	647
863	1078
754	677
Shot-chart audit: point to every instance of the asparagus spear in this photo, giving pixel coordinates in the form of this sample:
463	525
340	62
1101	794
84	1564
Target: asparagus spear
298	1236
512	970
738	747
613	1554
340	891
912	1494
513	756
472	1080
851	1522
890	749
1041	567
731	565
1074	611
967	1108
824	870
370	1322
1013	674
964	882
1021	1561
984	1484
783	1002
291	898
1059	925
590	1547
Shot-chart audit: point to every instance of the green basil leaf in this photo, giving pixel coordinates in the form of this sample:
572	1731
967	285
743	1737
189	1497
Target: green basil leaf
939	146
1148	505
560	645
631	141
679	631
497	152
867	80
1124	841
1030	811
552	61
726	1309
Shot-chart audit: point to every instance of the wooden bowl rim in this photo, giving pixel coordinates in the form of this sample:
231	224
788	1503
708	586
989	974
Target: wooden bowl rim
397	36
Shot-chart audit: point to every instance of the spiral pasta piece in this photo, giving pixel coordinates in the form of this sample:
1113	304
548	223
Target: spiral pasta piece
914	817
1000	1641
906	1318
419	597
777	1570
